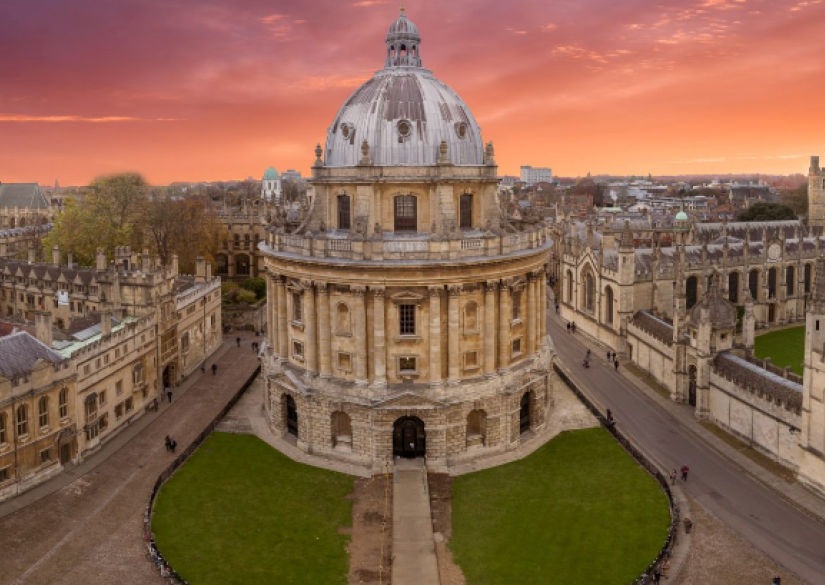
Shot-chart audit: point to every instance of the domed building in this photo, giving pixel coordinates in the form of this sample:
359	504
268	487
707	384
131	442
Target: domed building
407	315
271	186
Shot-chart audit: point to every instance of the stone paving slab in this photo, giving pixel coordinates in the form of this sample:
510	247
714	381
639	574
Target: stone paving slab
89	530
413	546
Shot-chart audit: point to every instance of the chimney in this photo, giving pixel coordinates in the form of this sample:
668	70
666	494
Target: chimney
43	327
69	260
208	272
31	253
174	265
106	323
200	269
146	261
56	255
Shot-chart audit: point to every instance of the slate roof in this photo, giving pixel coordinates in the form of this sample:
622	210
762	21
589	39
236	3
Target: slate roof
22	195
758	380
19	352
654	326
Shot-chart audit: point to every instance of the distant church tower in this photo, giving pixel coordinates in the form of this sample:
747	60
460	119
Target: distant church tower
816	194
271	186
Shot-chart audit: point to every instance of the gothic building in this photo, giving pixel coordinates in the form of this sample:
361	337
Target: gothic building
406	314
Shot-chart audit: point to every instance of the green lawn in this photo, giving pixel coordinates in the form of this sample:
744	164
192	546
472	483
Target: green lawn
240	512
578	510
785	347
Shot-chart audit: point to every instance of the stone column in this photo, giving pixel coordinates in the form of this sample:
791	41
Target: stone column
531	313
435	336
272	313
453	342
280	290
379	337
490	328
504	314
324	331
361	376
311	319
543	305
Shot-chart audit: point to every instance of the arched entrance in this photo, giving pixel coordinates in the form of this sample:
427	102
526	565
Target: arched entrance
692	385
524	413
772	313
168	376
291	416
408	437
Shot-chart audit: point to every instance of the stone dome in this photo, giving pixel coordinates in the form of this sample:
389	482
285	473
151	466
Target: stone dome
404	113
721	312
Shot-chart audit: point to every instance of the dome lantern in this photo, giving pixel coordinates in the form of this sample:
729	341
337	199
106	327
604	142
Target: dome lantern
403	43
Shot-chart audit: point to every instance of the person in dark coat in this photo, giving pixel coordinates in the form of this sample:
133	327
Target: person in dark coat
173	445
214	369
238	341
168	442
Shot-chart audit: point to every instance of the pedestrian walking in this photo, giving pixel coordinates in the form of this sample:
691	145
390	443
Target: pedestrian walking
776	581
574	326
203	368
557	308
688	523
673	477
214	369
169	393
155	405
173	445
168	442
684	471
238	341
608	356
657	575
568	327
666	565
616	365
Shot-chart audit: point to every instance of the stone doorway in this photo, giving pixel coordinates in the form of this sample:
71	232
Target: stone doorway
291	416
692	385
409	439
65	454
524	413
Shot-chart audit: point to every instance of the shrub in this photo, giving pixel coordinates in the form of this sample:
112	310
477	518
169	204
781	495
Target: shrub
256	285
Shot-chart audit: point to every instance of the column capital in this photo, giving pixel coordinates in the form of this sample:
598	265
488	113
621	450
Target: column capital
435	291
378	292
278	278
307	284
358	291
503	285
323	287
454	290
532	276
491	285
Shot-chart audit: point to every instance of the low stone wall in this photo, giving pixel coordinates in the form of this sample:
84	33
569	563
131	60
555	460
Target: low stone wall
651	355
245	317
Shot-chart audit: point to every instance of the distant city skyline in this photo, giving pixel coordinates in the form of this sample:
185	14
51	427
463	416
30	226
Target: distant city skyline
210	89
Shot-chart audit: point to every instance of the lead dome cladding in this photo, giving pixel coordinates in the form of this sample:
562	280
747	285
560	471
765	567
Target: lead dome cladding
404	113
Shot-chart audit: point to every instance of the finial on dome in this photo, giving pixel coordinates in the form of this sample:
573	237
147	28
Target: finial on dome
403	9
318	152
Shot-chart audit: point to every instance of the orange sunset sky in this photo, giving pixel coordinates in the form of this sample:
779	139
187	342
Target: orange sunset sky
221	89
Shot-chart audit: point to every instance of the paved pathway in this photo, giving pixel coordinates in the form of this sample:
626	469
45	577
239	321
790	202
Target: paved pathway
87	528
721	480
413	549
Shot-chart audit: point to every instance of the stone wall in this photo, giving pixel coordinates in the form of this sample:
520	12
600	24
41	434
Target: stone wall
245	317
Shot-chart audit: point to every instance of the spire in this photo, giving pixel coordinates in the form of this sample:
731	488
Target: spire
626	243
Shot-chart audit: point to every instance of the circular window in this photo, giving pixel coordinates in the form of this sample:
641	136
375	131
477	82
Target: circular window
345	131
404	128
461	130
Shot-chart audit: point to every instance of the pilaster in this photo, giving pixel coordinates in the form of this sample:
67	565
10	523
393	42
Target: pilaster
435	335
453	335
490	328
361	376
324	338
379	336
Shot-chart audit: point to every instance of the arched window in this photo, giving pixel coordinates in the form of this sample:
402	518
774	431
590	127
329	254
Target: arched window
237	238
753	284
471	316
22	420
246	241
691	291
476	428
344	212
608	305
807	278
772	283
789	280
43	411
3	437
569	286
465	209
341	431
223	264
242	265
342	319
406	213
525	414
733	287
63	403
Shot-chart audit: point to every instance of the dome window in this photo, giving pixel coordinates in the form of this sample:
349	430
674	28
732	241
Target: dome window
404	128
461	130
345	131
